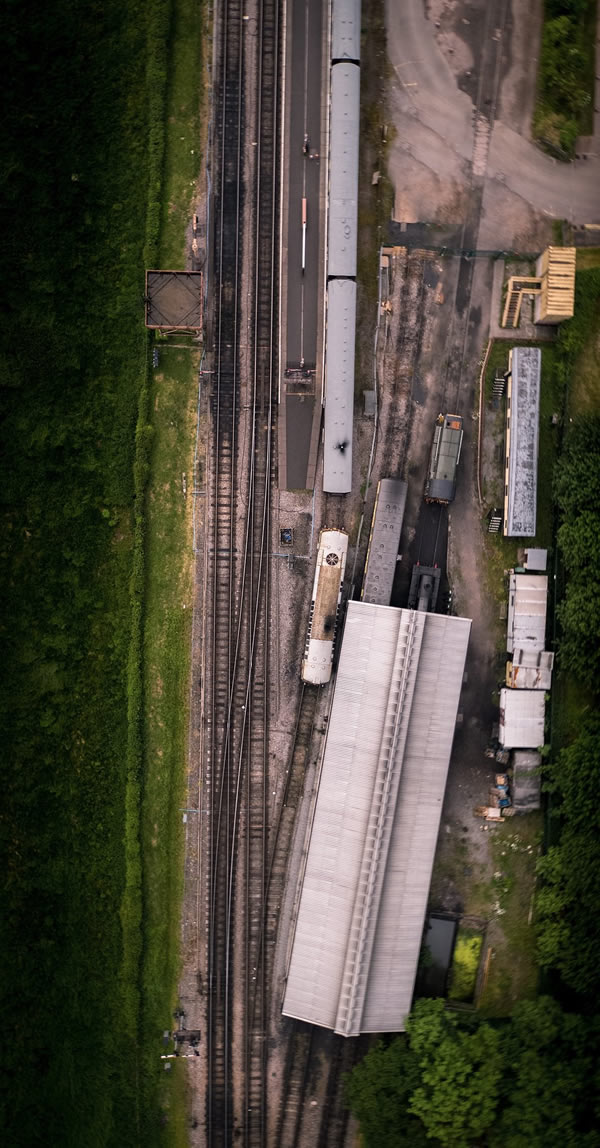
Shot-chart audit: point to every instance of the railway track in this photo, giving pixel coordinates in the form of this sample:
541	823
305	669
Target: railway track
236	646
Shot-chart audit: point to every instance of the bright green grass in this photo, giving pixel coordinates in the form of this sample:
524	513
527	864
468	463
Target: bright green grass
185	135
465	965
169	596
169	591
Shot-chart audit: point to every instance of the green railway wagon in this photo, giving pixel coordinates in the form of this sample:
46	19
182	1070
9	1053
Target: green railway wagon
443	463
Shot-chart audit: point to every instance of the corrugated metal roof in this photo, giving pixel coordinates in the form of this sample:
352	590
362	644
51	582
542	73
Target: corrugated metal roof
527	600
521	450
339	386
522	718
388	516
364	895
345	30
343	169
530	670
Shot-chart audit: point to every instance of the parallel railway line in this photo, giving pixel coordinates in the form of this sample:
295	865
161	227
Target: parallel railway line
236	647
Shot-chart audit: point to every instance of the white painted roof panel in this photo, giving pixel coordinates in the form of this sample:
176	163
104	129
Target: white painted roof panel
362	907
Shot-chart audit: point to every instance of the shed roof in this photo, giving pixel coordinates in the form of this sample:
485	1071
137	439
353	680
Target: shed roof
535	559
522	718
522	427
527	600
364	895
530	670
339	386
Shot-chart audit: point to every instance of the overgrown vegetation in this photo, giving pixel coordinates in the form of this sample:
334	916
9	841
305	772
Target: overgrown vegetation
567	903
566	75
465	964
83	146
458	1081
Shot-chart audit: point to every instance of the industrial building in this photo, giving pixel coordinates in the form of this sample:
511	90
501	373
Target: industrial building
521	442
374	828
521	719
382	554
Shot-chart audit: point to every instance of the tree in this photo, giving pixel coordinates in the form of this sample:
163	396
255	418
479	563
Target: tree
460	1075
579	542
551	1060
577	473
378	1091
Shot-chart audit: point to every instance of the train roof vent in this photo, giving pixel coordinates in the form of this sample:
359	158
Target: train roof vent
332	559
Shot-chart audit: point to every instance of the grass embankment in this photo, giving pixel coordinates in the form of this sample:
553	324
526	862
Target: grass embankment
83	161
566	75
169	586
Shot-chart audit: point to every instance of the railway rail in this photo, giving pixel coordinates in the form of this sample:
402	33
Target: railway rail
236	646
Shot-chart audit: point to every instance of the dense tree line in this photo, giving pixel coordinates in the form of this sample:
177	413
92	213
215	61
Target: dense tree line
577	482
454	1080
78	104
567	904
566	73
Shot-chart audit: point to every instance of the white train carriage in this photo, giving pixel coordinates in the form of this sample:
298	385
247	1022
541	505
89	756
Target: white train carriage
324	608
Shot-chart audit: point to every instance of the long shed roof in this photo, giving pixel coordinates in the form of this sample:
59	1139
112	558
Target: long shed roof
362	906
522	426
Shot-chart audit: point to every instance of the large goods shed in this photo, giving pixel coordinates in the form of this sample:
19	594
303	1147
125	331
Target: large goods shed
364	894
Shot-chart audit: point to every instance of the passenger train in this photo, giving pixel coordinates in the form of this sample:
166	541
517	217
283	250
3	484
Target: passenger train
325	606
340	333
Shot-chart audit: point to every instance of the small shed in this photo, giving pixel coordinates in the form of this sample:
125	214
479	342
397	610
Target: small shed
530	670
536	559
526	780
521	718
527	600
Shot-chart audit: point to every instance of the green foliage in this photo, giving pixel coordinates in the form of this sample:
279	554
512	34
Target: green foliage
465	964
84	85
576	485
568	925
551	1058
565	78
530	1082
460	1074
378	1092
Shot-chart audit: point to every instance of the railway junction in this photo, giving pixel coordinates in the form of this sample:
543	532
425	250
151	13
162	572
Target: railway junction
276	862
